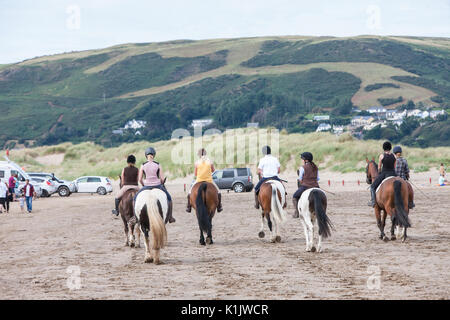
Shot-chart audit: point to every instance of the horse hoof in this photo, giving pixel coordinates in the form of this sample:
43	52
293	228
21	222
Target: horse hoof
319	250
203	243
313	249
148	260
209	240
273	240
137	246
132	245
393	238
127	244
157	262
385	239
403	240
277	239
261	234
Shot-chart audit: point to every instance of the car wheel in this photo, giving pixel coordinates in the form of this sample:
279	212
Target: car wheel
238	187
45	194
101	191
64	192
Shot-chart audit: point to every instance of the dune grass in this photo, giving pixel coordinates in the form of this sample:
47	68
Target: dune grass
234	148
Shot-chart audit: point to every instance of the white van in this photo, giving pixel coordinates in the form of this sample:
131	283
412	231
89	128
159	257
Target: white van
8	167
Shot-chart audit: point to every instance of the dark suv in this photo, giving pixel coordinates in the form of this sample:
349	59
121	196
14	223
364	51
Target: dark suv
238	179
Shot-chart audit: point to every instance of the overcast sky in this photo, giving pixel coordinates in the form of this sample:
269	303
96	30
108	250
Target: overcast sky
30	28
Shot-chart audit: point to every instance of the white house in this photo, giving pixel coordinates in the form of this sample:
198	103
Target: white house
323	127
435	113
201	122
118	131
362	120
252	124
321	118
338	129
135	124
377	109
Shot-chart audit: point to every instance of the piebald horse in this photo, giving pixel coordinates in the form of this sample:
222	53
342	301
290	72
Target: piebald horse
392	198
150	210
312	206
126	209
272	198
204	198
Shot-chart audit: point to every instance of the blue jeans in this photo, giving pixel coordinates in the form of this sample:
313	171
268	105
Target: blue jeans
160	187
29	202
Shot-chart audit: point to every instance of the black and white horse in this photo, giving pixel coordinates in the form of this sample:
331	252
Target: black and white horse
150	209
312	207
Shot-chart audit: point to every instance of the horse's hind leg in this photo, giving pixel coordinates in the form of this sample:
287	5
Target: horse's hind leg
138	236
148	255
404	236
131	234
261	233
126	234
202	238
313	248
305	228
156	256
209	239
383	224
393	225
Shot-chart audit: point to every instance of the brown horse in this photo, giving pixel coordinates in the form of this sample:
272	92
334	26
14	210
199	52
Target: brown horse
392	198
204	199
272	199
126	209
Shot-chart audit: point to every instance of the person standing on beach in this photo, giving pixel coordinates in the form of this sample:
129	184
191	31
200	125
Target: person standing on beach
12	185
28	191
4	196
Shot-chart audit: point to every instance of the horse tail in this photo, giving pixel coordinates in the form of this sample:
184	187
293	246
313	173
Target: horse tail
323	221
400	213
275	206
202	211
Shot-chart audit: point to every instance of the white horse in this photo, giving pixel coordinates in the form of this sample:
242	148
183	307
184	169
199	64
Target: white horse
150	210
312	207
272	207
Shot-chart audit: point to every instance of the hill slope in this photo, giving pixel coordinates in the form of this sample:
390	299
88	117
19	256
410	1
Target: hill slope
276	81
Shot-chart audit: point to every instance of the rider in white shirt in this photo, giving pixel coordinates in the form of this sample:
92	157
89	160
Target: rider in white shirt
268	168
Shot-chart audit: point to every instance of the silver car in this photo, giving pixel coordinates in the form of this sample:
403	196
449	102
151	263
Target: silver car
63	187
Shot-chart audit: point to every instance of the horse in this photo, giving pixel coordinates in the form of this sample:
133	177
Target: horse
313	207
150	208
204	199
126	210
392	197
272	199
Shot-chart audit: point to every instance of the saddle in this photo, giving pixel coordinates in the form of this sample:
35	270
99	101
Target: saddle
384	182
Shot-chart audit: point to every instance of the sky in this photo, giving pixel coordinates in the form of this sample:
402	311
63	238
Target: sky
34	28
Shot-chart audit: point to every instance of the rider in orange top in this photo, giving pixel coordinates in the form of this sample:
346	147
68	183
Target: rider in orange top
203	171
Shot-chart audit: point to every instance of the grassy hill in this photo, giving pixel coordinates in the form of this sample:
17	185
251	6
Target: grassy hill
278	81
341	154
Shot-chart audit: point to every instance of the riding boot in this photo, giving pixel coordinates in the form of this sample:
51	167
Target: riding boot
411	204
373	197
256	201
296	213
169	212
116	210
189	207
219	206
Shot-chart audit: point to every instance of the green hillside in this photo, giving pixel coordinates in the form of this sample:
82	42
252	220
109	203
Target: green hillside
276	81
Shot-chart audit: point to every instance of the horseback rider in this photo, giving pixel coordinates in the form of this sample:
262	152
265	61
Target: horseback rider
129	179
386	168
401	168
154	178
268	168
308	177
204	168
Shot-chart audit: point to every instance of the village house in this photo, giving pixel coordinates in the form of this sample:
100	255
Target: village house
201	122
362	120
338	129
321	118
435	113
135	124
323	127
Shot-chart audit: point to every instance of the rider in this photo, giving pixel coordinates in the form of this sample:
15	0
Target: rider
308	177
154	178
129	178
269	168
203	171
401	168
386	167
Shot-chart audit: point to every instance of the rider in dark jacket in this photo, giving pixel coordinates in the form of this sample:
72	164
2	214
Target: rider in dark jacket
386	165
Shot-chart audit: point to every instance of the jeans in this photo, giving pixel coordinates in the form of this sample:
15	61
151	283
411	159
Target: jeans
29	202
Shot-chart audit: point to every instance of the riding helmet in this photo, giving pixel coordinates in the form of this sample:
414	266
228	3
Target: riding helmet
387	146
131	159
266	150
397	149
150	150
307	156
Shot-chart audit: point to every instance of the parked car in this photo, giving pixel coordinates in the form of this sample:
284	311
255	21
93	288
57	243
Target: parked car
93	184
64	188
47	187
237	179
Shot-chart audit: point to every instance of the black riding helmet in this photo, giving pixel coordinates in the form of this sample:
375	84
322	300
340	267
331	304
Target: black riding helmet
131	159
150	150
387	146
307	156
397	149
266	150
